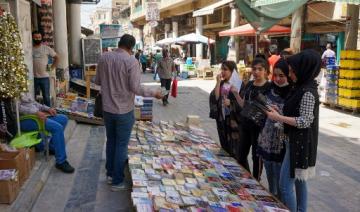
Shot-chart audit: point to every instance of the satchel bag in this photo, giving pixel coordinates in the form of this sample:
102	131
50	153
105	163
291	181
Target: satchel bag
98	110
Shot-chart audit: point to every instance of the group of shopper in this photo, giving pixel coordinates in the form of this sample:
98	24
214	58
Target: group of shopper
284	135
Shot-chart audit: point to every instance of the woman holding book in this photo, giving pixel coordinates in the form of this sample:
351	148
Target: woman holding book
271	147
301	127
249	129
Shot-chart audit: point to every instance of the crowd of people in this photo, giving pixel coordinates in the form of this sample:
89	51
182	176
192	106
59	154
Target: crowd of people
276	115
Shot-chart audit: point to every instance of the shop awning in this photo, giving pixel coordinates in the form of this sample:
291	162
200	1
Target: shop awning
248	30
259	3
263	17
210	9
343	1
194	38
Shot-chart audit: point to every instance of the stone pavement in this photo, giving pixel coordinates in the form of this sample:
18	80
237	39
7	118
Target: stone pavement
336	187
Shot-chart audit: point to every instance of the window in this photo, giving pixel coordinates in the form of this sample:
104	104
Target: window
99	16
216	17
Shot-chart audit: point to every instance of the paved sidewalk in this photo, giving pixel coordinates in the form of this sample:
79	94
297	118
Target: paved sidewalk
336	187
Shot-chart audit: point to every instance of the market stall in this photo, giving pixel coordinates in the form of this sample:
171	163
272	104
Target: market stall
174	166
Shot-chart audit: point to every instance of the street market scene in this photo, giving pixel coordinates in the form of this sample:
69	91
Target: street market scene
180	106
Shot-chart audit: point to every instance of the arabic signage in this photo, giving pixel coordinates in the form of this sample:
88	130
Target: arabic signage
152	10
110	34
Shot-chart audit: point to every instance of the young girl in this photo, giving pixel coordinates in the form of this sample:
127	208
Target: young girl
271	147
227	109
249	130
301	127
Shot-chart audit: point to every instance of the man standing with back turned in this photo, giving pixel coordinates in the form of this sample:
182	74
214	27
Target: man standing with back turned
119	74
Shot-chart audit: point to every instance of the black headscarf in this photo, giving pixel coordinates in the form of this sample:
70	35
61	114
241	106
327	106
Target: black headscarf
284	67
306	66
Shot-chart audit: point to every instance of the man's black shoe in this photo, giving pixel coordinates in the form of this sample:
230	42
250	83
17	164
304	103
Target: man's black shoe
65	167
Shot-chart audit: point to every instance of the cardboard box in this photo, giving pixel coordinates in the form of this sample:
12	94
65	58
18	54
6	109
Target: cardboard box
29	158
9	189
15	160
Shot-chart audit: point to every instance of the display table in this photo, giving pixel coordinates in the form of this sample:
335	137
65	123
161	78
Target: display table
173	167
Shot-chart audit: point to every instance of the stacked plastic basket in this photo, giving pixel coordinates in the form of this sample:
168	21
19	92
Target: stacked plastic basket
349	82
331	85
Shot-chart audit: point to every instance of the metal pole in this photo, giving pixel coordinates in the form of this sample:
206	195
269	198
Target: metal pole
256	43
17	116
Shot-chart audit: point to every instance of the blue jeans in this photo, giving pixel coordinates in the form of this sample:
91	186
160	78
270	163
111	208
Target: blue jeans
118	132
298	204
44	85
56	126
273	176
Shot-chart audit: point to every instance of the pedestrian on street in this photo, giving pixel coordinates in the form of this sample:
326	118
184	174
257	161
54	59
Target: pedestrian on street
54	123
119	74
271	147
166	69
250	130
328	53
274	57
143	61
301	127
225	109
41	54
157	58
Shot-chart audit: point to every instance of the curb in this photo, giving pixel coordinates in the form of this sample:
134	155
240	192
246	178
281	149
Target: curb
33	186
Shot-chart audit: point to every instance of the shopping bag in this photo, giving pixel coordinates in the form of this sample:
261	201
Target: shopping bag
28	139
174	88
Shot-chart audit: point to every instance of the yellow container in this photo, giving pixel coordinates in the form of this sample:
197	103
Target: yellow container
348	93
350	64
349	74
343	54
353	54
350	103
346	83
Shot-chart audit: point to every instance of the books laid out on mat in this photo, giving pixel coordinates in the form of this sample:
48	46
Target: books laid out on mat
175	167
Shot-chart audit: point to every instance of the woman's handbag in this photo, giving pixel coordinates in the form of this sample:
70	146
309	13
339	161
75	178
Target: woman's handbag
98	110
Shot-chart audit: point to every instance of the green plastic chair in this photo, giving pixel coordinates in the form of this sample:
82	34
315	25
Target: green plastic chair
41	129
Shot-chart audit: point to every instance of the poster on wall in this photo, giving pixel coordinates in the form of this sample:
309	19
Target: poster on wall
152	10
110	34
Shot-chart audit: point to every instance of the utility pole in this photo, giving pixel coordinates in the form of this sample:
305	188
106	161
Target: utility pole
352	27
296	29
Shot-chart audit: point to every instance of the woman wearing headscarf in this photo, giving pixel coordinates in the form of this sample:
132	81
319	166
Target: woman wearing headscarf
225	109
301	127
271	147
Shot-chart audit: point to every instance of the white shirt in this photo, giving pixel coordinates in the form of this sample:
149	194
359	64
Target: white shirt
328	53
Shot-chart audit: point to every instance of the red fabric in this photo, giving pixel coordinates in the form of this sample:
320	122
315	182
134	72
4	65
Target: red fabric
248	30
174	88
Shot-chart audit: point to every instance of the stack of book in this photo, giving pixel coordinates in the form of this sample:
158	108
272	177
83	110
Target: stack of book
179	168
143	108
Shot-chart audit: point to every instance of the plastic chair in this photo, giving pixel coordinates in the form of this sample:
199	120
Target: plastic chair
45	135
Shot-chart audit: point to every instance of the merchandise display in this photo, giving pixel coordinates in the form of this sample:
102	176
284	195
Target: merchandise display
349	82
77	108
175	167
143	108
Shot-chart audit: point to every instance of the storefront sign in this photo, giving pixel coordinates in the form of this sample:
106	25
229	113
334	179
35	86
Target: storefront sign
152	10
110	34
